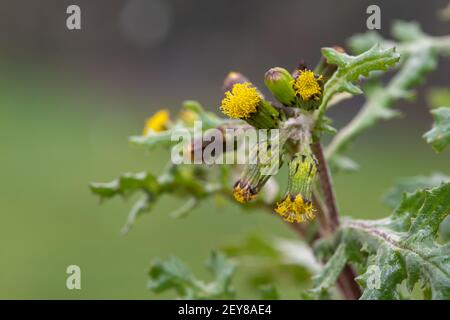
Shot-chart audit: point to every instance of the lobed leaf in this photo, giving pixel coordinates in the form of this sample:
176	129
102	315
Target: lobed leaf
380	100
400	248
187	182
351	68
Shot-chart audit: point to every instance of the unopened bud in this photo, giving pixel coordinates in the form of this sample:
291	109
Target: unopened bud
279	82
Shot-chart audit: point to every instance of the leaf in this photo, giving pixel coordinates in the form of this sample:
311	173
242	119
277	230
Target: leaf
187	182
419	57
380	100
173	274
283	262
125	185
400	248
351	68
439	135
331	271
394	195
162	139
143	205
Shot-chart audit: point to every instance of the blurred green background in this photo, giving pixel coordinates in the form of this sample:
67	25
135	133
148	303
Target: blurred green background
65	117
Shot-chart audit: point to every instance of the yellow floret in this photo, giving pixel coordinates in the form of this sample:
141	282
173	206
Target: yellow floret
241	101
243	195
295	209
307	86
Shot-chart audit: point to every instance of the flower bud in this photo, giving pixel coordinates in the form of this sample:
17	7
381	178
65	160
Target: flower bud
231	79
279	82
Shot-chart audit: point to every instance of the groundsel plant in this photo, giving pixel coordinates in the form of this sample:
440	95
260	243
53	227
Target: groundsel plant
370	259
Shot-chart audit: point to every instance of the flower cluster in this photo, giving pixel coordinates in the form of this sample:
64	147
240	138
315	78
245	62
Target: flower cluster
300	90
299	94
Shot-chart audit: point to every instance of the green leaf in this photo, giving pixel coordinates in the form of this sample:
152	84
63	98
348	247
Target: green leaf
173	274
282	262
400	248
126	184
380	100
162	139
330	273
394	195
439	135
352	68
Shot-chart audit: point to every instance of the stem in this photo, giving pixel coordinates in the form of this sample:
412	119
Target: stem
326	185
346	282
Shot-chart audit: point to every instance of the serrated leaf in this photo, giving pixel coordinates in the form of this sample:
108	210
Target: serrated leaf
402	247
439	135
394	195
351	68
187	182
173	274
380	100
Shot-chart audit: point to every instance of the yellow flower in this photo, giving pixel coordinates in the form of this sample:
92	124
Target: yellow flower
241	102
295	209
296	206
308	86
157	122
243	193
